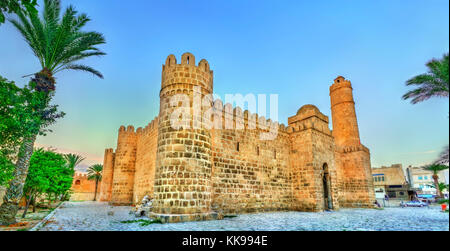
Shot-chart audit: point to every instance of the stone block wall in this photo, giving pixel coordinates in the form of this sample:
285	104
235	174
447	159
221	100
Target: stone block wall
355	177
250	174
107	175
124	167
144	177
312	158
195	170
83	189
183	159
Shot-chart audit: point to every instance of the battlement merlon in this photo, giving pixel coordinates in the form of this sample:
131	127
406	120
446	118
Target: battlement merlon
187	72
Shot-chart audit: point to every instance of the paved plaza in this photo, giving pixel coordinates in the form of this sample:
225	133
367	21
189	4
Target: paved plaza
96	216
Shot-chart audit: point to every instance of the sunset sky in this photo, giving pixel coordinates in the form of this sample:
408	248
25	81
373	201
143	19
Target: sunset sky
291	48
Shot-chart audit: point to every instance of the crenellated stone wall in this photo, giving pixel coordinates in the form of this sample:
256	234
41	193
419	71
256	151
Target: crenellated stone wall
107	175
144	176
82	188
223	161
249	174
124	167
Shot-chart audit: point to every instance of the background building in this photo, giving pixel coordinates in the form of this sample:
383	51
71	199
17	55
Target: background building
82	188
391	181
422	181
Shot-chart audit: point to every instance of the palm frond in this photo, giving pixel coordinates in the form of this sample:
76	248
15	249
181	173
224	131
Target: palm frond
81	68
95	172
435	168
434	83
58	41
25	28
73	160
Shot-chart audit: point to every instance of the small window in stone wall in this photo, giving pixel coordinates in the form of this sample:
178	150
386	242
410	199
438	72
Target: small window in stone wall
78	182
257	150
237	146
275	154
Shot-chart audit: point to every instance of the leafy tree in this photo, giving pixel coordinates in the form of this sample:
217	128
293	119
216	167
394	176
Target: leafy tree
60	182
13	6
37	181
436	168
95	173
442	187
48	174
17	118
6	169
59	43
24	113
434	83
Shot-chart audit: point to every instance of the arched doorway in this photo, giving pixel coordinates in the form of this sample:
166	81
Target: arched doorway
327	199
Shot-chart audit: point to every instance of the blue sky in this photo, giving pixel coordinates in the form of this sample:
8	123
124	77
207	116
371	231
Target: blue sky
291	48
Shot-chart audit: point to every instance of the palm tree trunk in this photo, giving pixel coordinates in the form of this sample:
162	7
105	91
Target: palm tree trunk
436	185
14	192
95	195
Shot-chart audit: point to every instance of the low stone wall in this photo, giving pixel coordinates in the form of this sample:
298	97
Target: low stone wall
83	196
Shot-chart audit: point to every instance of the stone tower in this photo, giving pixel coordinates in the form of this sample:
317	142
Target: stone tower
313	169
182	189
124	167
107	175
352	158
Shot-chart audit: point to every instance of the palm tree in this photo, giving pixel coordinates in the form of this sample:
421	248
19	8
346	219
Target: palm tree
73	160
436	168
95	173
434	83
58	43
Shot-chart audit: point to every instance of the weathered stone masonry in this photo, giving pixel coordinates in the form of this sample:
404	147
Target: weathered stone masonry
200	173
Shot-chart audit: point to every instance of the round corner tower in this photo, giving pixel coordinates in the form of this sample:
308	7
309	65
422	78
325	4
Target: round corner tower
345	124
124	167
182	189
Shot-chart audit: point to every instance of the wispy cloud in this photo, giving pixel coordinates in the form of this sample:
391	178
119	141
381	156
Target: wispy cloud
419	153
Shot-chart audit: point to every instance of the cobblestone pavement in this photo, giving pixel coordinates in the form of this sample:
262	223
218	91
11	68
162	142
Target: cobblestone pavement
91	216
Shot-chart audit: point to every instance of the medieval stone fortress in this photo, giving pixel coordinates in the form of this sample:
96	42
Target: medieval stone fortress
201	173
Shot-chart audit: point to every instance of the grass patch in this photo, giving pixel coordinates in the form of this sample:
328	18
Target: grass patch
230	216
22	230
142	222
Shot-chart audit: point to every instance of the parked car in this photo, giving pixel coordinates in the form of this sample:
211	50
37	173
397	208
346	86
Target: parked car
413	204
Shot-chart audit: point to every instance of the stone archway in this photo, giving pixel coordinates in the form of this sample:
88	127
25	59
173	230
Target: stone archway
326	181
